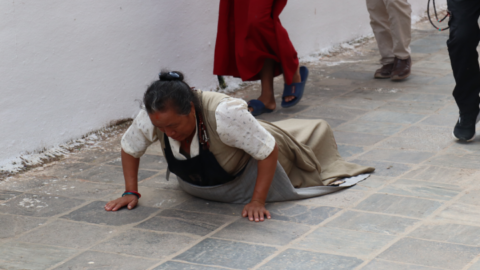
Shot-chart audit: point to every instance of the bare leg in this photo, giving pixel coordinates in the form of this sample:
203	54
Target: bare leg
296	79
266	78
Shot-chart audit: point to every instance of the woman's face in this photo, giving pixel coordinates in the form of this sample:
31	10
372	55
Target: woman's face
176	126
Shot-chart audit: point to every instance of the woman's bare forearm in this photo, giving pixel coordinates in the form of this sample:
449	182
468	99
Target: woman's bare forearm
130	166
130	172
266	171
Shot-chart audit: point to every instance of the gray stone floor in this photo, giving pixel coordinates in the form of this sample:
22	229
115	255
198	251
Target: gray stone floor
420	209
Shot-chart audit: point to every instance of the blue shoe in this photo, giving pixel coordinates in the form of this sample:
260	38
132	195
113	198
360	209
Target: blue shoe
295	89
258	107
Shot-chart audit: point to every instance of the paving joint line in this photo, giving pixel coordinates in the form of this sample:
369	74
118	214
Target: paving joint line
121	229
194	243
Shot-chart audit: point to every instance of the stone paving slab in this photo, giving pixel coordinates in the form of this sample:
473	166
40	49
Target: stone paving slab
419	210
39	205
91	260
230	254
378	264
14	225
150	196
68	170
383	168
202	206
185	266
293	259
334	112
305	214
413	107
273	232
422	189
385	129
6	195
441	255
67	234
96	157
476	266
392	117
460	213
437	174
345	198
74	189
179	221
467	161
159	181
145	243
344	242
401	156
451	233
399	205
95	213
471	197
438	139
111	174
32	256
357	139
151	162
373	223
27	183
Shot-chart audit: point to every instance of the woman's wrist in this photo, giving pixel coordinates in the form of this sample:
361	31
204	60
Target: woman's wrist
258	200
132	192
131	185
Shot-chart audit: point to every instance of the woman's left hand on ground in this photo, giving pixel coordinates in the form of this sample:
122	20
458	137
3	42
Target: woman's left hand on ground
255	210
129	200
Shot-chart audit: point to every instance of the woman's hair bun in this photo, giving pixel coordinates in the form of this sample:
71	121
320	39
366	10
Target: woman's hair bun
170	76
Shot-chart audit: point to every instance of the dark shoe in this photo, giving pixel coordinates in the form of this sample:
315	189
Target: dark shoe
295	89
465	128
384	73
401	69
258	107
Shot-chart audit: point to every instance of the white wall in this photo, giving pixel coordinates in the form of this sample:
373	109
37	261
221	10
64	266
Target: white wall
70	67
317	24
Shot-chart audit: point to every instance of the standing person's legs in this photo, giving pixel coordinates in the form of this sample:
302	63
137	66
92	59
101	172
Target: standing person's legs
379	21
462	47
266	78
260	16
400	12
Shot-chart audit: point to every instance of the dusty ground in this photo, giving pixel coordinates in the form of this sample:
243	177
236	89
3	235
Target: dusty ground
419	210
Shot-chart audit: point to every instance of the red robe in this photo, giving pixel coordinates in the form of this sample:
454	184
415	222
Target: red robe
249	31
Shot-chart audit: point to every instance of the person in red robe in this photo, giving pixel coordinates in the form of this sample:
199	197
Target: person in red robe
253	45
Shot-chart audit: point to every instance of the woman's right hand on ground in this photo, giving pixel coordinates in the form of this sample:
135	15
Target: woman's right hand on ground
255	210
128	200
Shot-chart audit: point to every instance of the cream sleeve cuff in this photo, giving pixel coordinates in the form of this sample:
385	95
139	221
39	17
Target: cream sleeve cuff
139	136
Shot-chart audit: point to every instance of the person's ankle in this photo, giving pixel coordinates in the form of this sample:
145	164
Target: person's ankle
269	102
297	78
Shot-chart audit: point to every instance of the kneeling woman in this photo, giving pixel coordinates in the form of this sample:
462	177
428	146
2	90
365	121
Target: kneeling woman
220	152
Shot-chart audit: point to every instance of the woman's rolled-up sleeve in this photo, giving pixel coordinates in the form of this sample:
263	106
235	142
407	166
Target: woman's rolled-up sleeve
139	136
237	128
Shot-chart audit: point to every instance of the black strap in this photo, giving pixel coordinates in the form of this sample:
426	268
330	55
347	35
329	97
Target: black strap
203	138
202	134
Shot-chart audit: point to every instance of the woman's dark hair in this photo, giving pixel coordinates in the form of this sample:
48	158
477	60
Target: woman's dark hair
170	91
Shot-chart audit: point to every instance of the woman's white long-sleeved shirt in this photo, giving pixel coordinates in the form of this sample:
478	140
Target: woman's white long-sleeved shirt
236	127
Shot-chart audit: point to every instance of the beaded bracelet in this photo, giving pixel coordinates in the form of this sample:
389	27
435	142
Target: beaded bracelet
131	192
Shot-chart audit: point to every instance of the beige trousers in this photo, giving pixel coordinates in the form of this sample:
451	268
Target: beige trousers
391	24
